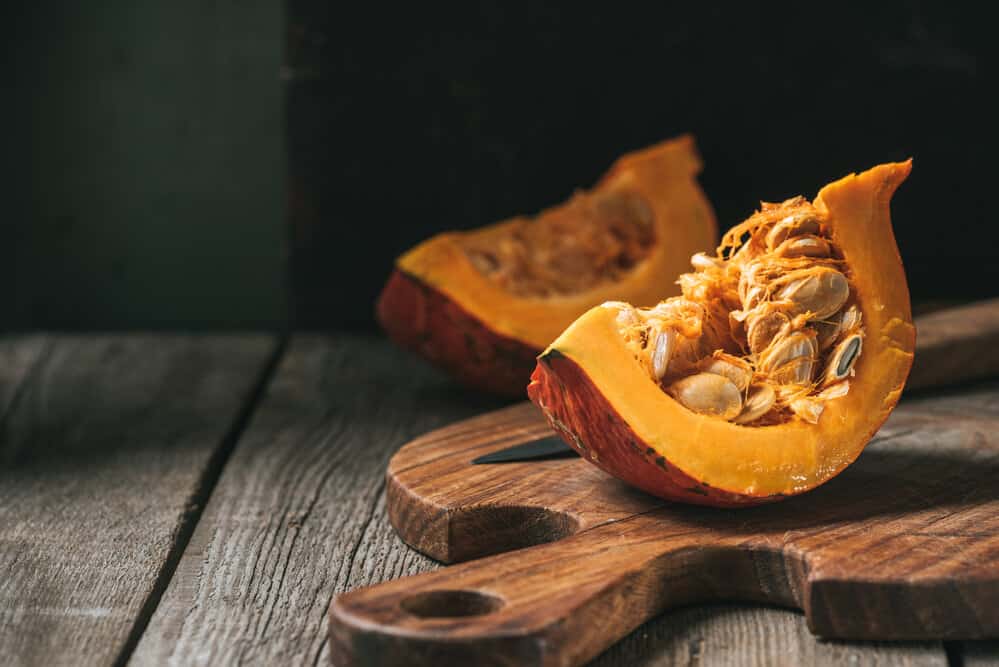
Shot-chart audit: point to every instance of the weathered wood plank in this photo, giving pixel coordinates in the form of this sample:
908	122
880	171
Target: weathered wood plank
754	636
105	455
19	356
980	654
298	513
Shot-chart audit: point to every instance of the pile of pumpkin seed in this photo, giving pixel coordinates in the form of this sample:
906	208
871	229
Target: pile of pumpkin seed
592	240
766	330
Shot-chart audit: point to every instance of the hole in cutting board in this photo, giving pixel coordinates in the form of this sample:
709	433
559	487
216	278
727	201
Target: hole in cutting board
475	532
451	604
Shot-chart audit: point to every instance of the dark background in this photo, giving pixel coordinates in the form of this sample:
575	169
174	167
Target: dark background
224	164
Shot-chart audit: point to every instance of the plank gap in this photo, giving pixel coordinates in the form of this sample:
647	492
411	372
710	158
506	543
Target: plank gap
955	653
20	387
199	499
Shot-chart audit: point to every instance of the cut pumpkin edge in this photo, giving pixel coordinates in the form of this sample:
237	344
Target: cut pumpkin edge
664	175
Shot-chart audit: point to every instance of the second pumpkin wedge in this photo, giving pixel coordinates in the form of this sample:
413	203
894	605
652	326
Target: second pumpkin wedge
482	304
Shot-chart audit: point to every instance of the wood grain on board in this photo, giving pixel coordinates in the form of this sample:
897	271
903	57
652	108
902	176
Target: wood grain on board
903	545
107	448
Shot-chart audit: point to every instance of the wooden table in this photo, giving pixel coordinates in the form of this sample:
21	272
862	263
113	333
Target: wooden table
169	499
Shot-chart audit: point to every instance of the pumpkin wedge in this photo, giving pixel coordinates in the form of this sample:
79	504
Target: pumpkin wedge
482	304
786	352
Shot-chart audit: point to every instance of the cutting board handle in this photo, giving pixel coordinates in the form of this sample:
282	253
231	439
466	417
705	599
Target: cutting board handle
956	345
556	604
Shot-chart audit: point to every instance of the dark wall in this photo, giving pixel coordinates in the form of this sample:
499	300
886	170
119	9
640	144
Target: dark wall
144	161
407	120
143	164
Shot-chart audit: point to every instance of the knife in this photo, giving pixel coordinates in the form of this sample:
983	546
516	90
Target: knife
954	344
550	447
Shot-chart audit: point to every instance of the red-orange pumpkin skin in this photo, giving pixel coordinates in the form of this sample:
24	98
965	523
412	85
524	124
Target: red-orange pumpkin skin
421	319
584	415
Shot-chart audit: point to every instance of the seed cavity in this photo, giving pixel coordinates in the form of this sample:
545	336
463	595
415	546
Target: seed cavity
768	329
593	239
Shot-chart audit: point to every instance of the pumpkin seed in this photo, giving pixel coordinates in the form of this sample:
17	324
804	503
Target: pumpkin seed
626	314
761	328
797	371
702	261
663	352
708	394
808	409
759	401
821	292
843	358
793	225
803	246
735	369
850	320
838	390
754	295
791	359
748	282
830	331
827	332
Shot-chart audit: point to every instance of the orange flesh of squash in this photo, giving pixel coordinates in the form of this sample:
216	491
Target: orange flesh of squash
601	400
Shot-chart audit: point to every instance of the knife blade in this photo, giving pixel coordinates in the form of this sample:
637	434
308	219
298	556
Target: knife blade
534	450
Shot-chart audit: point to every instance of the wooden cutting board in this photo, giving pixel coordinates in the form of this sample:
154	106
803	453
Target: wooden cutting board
564	560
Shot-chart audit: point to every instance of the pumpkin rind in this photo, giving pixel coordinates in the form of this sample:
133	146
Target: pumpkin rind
505	327
586	382
419	318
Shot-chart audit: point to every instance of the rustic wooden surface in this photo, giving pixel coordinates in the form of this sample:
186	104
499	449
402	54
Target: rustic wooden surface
254	580
107	450
939	361
297	515
902	545
754	636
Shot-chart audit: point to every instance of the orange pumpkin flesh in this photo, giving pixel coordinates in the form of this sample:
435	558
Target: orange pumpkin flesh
603	402
482	304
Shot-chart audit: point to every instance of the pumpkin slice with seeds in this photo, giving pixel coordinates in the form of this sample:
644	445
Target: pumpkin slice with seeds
786	351
482	304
